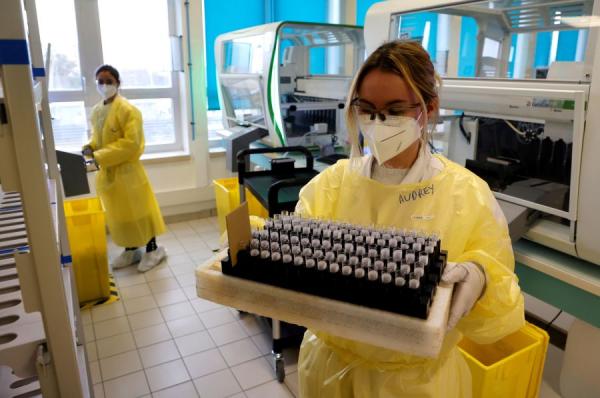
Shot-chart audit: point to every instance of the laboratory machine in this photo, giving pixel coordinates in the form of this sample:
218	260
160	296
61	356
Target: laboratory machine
517	104
290	80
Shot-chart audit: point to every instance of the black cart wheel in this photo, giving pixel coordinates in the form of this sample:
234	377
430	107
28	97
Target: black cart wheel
280	369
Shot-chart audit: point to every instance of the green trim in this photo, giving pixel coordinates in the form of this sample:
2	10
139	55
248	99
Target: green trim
270	78
573	300
269	100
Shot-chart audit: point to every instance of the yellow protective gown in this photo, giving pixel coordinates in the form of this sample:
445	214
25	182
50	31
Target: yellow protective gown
132	213
459	206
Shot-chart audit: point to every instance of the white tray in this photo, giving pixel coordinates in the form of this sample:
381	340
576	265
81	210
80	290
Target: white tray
381	328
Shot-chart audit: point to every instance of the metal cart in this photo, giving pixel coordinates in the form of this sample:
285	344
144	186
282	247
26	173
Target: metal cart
277	190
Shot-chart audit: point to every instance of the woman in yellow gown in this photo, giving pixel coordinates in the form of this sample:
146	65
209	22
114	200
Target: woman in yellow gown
393	98
117	143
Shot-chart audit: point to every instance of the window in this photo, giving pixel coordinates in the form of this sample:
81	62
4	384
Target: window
140	48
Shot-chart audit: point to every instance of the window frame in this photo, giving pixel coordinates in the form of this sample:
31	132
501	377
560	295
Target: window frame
91	55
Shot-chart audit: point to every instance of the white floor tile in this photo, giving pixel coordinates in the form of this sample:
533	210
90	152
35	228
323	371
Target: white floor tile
98	390
159	353
252	325
145	319
217	385
204	363
131	386
115	345
134	291
182	268
86	317
217	317
111	327
170	297
201	305
176	311
95	372
185	390
139	304
108	311
88	332
239	352
272	389
127	271
187	279
190	292
291	381
176	259
130	280
227	333
120	365
253	373
193	343
151	335
238	395
167	375
187	325
158	273
200	256
92	351
163	285
264	342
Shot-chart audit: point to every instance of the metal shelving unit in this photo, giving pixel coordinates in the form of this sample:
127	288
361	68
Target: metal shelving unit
41	341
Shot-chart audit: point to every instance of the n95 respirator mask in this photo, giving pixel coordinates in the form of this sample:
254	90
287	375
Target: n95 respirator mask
106	90
388	138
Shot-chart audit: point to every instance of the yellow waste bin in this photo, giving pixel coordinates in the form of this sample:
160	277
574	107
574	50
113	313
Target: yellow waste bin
227	195
511	367
87	239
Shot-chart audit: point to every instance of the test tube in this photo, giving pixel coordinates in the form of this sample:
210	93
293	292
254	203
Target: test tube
385	253
296	250
359	239
297	229
399	281
393	243
316	233
254	252
404	269
397	255
326	244
322	265
429	249
329	256
372	253
337	245
373	275
392	266
284	238
386	278
275	246
353	261
348	248
365	262
424	258
286	258
315	243
414	284
417	247
310	262
378	265
287	227
381	242
318	254
277	225
298	260
307	252
410	256
254	243
276	256
264	244
274	236
360	250
341	258
264	254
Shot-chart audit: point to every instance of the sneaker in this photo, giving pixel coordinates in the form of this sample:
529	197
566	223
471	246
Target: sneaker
127	258
152	259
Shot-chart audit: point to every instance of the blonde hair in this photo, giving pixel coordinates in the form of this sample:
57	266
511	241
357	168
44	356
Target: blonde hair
408	60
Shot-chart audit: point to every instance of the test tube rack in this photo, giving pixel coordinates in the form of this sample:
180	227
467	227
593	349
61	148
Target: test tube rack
387	269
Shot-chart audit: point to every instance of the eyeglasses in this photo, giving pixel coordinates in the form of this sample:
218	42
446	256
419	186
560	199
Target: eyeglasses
368	114
110	82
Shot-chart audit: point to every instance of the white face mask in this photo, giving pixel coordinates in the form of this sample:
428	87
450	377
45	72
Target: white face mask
106	90
391	137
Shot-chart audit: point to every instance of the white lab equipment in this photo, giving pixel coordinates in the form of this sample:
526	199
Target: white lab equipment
289	78
529	131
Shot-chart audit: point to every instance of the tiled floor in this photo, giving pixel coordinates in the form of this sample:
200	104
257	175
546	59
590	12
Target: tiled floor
161	340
